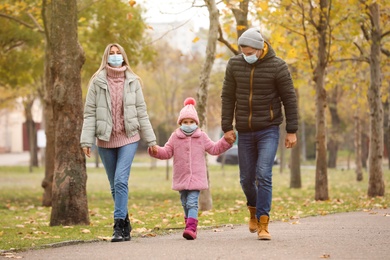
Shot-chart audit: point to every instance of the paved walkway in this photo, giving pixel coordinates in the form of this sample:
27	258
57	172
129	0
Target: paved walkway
355	235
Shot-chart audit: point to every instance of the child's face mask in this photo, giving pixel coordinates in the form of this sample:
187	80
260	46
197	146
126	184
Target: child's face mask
188	129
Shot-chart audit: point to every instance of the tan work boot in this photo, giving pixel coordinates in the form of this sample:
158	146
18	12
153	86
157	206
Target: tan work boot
252	220
262	228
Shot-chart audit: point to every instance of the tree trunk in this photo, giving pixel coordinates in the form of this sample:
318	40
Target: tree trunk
47	181
358	147
69	198
31	133
376	186
321	186
205	201
334	137
241	16
386	130
295	162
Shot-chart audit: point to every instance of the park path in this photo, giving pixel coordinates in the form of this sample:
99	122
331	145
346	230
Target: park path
353	235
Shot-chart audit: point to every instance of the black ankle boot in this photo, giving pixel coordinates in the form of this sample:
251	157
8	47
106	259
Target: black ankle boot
127	229
118	229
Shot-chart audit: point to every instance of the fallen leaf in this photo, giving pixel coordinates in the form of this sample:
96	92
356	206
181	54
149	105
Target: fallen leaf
85	231
104	238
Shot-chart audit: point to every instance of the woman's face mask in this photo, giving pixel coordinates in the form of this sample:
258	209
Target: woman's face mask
115	60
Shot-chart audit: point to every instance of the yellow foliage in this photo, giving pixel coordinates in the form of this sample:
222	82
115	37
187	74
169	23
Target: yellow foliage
196	39
263	5
241	27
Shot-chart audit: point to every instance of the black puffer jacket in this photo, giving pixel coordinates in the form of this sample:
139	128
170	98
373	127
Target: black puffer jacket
254	93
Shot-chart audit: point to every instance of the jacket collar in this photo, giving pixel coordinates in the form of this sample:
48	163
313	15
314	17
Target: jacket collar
101	78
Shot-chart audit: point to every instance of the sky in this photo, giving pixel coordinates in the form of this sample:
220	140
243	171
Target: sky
175	10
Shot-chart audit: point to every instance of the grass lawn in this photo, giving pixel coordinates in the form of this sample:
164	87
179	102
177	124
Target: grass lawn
156	210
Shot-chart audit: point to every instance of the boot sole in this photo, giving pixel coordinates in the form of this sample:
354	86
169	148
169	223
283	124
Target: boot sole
117	240
189	236
264	238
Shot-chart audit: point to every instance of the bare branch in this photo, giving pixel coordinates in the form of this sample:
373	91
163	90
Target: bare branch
385	34
40	29
365	32
18	21
359	48
363	59
311	20
305	35
292	30
225	42
385	52
170	30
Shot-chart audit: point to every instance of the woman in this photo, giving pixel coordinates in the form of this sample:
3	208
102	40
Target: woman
115	113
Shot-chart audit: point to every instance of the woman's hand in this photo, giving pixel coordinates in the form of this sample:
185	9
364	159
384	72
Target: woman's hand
154	149
87	151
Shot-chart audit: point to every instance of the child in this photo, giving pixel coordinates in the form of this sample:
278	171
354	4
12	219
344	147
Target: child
187	145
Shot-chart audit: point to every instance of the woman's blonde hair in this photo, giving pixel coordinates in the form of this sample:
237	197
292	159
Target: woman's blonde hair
104	62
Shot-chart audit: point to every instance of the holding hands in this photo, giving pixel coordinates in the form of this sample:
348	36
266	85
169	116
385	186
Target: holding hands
153	150
230	136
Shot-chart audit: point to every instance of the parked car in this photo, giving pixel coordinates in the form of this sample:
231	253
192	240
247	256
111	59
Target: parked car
231	157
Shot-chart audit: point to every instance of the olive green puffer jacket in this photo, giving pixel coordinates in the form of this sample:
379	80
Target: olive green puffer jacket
253	94
98	115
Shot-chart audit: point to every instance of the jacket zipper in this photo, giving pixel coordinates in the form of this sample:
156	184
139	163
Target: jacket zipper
250	97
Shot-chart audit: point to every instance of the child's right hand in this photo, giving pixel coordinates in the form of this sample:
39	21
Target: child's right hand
153	150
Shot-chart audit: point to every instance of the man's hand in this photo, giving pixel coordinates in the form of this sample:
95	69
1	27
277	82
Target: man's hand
291	140
230	136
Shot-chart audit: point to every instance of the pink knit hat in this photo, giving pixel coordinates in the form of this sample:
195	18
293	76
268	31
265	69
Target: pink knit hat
188	111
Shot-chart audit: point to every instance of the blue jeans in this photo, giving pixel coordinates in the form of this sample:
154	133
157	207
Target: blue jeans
256	154
189	201
117	163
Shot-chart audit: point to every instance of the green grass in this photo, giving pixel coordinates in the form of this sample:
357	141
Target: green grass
155	209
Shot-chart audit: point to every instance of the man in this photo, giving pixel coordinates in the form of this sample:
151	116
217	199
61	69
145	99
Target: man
256	84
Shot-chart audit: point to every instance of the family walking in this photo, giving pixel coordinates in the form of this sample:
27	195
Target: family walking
257	85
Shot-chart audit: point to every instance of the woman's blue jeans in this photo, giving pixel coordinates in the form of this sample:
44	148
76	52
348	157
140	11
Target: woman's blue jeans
117	163
189	201
256	154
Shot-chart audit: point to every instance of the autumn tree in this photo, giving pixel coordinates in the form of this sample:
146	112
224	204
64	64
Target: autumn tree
21	41
69	198
372	31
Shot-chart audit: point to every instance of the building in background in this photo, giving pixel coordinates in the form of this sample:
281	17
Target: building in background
13	134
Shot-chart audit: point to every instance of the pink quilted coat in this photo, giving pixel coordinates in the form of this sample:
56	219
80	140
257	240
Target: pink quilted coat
189	161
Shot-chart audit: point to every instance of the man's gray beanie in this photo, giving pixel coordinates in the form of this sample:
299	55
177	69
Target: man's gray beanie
252	38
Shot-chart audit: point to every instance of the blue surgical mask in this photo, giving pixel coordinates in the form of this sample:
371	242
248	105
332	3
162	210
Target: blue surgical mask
188	129
251	58
115	60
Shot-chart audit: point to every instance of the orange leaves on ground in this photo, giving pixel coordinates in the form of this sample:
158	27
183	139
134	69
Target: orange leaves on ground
132	3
